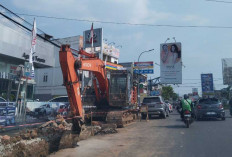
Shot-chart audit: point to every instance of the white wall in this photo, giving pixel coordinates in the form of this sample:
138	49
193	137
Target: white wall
54	82
15	42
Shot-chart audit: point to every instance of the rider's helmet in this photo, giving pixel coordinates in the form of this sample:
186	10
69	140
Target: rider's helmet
186	96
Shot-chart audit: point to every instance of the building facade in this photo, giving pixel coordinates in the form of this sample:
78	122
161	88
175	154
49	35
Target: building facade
15	44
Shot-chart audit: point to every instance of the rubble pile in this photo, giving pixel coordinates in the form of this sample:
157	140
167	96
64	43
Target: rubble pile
16	146
101	129
48	138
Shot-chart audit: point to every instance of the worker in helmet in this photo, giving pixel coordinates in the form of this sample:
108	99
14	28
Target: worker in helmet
186	104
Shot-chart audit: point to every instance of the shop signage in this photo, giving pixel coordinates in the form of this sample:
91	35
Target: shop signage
97	38
35	58
143	67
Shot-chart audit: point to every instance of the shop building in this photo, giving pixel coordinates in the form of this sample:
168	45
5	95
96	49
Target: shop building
15	44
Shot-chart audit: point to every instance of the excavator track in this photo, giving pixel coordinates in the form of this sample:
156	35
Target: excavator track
121	118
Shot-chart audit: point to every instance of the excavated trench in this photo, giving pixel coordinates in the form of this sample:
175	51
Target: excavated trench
48	138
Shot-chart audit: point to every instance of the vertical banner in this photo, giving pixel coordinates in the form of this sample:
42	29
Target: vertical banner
227	71
171	63
207	84
33	43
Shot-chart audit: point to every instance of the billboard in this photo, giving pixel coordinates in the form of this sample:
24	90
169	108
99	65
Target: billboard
143	67
97	38
7	113
111	51
207	84
170	63
227	71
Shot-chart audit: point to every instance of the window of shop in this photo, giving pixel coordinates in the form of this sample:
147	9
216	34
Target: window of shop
45	78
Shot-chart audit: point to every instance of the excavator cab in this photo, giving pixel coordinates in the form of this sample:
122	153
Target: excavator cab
119	88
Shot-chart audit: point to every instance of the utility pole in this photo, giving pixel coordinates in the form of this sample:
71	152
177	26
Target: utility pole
9	89
141	73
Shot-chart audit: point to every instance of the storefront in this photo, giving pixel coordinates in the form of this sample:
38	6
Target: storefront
15	46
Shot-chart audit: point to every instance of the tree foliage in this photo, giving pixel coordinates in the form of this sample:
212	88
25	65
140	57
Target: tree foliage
168	93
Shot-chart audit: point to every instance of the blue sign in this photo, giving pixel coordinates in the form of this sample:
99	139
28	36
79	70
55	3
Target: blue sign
207	84
7	113
27	69
143	67
144	71
155	93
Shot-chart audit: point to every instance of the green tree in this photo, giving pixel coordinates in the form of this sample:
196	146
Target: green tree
168	93
175	96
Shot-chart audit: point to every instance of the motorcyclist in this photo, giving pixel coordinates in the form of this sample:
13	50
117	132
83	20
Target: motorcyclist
186	104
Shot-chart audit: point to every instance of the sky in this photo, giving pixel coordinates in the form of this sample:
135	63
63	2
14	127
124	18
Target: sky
202	48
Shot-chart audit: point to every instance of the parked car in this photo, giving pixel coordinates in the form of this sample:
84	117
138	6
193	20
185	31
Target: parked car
209	108
43	110
156	106
2	99
63	101
59	99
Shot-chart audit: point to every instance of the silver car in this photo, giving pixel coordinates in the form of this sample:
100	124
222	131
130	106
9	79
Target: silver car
156	106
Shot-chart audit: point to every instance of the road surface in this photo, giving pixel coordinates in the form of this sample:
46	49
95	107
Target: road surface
160	138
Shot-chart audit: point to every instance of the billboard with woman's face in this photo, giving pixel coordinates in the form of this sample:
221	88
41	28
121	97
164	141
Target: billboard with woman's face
170	63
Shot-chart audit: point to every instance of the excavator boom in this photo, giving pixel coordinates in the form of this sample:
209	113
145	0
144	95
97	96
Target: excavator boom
70	67
71	80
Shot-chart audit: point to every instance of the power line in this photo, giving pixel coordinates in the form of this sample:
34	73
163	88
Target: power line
219	1
127	23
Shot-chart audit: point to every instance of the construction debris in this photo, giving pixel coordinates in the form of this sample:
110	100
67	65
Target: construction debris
49	137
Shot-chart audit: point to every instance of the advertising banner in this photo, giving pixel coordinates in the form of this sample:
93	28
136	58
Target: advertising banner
227	71
111	51
97	38
170	63
27	69
113	66
7	113
207	84
143	67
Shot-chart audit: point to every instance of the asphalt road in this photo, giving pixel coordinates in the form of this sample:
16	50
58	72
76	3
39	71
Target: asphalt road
160	138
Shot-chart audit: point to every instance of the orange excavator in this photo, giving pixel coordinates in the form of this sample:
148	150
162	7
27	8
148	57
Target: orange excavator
116	95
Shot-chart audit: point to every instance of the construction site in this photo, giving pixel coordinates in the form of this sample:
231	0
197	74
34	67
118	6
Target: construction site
134	78
80	92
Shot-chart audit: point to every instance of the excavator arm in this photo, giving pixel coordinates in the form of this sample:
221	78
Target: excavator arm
70	65
97	67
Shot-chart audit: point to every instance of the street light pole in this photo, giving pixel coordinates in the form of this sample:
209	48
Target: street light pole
139	73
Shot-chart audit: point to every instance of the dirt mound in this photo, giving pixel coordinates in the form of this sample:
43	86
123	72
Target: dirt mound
48	138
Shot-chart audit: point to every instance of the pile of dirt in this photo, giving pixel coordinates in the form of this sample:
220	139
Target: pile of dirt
48	138
101	128
16	146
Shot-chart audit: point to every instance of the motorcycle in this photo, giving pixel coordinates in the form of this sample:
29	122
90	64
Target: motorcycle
187	118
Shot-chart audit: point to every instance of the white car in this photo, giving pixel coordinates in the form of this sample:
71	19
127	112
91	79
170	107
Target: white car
2	99
43	110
